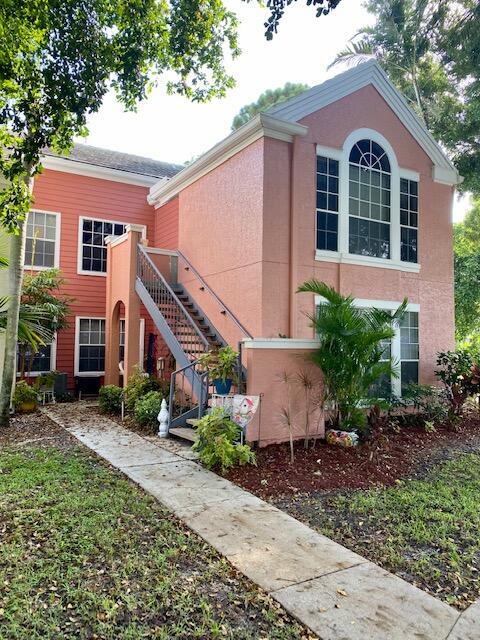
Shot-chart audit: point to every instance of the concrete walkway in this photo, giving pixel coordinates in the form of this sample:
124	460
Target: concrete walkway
335	592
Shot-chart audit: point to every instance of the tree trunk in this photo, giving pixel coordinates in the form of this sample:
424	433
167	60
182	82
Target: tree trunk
15	277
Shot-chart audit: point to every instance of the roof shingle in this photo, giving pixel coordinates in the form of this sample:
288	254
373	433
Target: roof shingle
120	161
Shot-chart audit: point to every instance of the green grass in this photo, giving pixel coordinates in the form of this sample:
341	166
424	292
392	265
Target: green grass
84	553
425	530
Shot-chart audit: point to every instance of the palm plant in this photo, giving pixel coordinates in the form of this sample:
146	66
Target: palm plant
402	42
351	352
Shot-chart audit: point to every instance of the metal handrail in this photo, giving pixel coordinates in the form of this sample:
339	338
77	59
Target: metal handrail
203	381
176	316
230	314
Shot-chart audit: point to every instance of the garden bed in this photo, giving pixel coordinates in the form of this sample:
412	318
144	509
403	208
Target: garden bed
87	554
411	507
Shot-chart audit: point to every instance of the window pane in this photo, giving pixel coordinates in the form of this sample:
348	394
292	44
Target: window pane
327	203
91	349
408	220
40	239
94	253
369	238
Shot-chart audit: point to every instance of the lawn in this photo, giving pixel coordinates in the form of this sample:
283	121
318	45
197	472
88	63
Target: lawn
426	530
86	554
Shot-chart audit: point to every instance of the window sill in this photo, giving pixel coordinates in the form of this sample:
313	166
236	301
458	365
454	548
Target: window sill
81	272
89	374
366	261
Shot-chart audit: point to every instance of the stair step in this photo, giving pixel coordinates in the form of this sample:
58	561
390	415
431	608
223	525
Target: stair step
186	433
192	421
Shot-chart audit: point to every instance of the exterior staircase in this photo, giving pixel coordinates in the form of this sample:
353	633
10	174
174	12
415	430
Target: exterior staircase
187	333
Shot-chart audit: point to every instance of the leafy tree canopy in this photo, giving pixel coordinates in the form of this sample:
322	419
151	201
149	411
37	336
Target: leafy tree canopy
430	50
267	99
58	59
467	275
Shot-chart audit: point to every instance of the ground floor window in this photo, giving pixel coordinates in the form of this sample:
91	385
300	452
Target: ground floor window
36	363
90	346
402	349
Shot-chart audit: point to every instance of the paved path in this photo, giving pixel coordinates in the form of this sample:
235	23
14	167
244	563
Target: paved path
335	592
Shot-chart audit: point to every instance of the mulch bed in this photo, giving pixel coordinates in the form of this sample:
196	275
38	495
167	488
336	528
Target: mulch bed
34	430
411	451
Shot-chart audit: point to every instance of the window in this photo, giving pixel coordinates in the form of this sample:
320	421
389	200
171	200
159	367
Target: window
409	348
121	342
41	240
40	362
369	200
90	346
403	348
408	220
327	203
93	251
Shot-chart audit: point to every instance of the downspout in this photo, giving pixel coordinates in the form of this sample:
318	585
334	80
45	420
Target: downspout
292	249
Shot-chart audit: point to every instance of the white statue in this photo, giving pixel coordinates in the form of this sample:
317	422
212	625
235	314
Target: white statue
163	420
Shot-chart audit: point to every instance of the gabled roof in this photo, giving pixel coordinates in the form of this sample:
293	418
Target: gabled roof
282	122
85	159
343	84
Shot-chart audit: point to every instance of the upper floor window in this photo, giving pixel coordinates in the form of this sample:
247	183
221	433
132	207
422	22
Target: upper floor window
369	200
41	244
93	250
327	203
408	220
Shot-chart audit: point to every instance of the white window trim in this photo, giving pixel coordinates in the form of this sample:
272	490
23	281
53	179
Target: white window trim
56	257
84	374
141	345
389	305
81	219
53	361
396	172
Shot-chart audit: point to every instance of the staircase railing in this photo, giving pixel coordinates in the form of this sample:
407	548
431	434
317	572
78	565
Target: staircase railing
186	402
224	310
181	325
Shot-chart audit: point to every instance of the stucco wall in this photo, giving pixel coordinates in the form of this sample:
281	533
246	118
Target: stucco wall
273	373
432	288
220	232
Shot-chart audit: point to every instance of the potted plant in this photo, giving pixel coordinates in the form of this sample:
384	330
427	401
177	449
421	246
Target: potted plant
221	365
25	397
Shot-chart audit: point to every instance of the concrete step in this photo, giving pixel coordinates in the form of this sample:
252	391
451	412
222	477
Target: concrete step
186	433
192	421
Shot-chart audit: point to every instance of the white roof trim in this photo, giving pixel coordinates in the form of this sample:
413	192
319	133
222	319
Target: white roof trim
67	165
261	125
354	79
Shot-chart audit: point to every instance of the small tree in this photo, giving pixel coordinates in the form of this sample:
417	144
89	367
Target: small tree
41	291
350	352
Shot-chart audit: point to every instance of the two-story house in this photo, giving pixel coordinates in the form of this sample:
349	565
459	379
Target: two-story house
342	183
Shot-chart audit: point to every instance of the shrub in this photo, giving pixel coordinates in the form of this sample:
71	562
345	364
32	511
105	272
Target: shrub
148	407
24	393
139	384
221	363
110	399
217	444
430	402
351	353
460	375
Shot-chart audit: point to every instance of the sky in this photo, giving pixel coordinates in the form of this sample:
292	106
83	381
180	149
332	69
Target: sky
172	129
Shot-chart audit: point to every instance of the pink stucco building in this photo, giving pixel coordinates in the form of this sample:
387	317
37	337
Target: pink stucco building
342	183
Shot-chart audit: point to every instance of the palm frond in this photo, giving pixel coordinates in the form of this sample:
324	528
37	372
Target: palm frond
354	54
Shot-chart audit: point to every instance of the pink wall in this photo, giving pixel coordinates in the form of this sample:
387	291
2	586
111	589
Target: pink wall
220	232
432	288
74	196
266	369
166	225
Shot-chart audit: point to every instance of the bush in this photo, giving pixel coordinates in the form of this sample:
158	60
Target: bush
24	393
148	407
217	444
430	402
460	375
139	384
110	399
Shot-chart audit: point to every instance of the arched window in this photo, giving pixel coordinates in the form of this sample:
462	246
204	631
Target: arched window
369	200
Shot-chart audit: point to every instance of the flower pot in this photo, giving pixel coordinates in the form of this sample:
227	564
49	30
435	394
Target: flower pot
27	407
222	387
